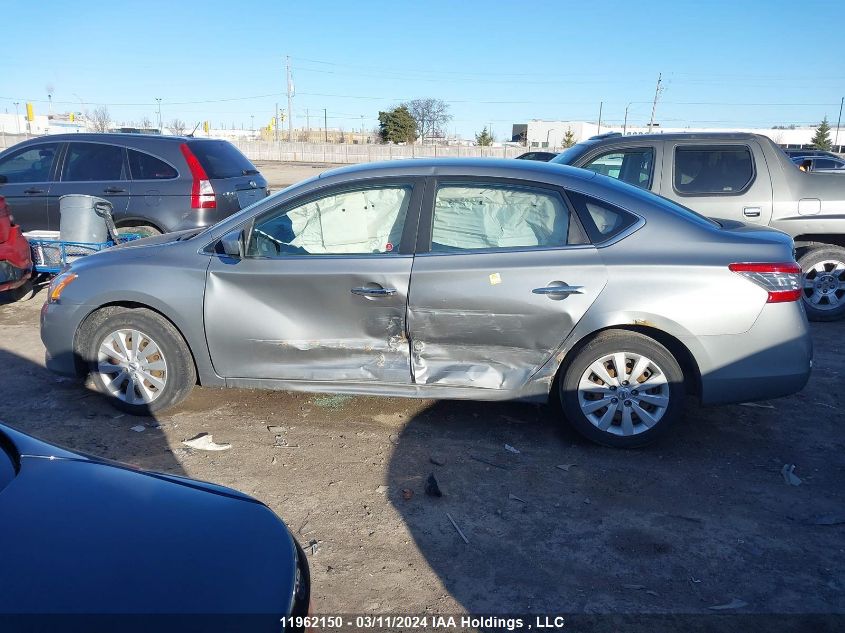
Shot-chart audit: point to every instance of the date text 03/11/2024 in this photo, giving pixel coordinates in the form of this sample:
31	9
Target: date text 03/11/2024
545	622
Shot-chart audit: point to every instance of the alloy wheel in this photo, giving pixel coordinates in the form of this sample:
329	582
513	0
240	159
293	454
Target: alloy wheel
824	285
131	366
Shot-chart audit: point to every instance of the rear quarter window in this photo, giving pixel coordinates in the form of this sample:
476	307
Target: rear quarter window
143	166
602	220
221	159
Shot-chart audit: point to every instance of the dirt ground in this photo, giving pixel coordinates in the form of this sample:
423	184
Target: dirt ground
701	519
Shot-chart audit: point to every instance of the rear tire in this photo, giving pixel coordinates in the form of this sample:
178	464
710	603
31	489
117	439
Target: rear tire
823	283
137	359
144	230
624	408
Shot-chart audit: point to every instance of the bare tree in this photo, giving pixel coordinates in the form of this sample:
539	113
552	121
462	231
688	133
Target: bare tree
146	124
100	119
431	115
177	127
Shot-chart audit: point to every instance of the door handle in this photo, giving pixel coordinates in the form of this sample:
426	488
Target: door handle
374	292
32	190
558	290
114	190
751	212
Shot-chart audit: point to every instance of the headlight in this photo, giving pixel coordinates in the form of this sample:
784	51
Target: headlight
59	283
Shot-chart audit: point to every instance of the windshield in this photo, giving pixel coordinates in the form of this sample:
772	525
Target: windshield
570	155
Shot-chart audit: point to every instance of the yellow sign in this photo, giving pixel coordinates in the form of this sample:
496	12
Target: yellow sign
30	115
205	126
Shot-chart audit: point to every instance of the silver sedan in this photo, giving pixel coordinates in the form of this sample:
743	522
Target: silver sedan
469	279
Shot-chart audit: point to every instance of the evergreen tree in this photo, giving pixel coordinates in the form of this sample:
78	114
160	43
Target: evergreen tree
484	138
568	138
822	138
397	126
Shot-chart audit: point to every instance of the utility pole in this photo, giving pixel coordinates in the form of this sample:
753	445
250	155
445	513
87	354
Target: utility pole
326	124
252	123
276	127
158	99
307	126
17	117
601	105
838	121
50	99
290	100
625	124
654	103
362	129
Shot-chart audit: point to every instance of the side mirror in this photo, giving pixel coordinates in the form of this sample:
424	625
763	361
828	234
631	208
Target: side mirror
232	244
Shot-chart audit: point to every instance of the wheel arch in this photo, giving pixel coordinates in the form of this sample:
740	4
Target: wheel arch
129	305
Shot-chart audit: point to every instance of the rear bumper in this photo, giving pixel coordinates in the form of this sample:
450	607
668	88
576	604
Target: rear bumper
11	276
773	359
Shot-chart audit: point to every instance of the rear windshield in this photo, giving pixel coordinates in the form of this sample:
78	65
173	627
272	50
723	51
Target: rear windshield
221	159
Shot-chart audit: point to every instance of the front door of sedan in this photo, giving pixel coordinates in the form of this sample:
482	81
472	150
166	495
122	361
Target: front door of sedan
507	274
321	291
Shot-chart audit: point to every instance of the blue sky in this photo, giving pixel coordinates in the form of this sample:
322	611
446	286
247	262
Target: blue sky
724	64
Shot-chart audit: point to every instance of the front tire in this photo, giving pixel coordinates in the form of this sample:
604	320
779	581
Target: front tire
622	389
823	283
137	359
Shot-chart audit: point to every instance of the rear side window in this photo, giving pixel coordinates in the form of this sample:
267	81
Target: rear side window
723	169
633	166
602	221
471	217
93	161
146	167
221	159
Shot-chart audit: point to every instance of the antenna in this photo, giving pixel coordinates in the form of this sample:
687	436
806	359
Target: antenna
195	129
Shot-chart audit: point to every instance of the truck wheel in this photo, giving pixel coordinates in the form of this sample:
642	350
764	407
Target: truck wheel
823	279
622	389
138	359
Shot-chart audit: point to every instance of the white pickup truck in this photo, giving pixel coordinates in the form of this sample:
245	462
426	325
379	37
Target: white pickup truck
741	177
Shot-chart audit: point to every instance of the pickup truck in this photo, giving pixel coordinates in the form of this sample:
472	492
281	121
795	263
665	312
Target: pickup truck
741	177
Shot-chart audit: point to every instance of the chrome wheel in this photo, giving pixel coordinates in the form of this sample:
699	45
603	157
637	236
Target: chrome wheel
623	393
824	285
131	366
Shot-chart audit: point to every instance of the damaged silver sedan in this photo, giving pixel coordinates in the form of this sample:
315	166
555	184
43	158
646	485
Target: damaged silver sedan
470	279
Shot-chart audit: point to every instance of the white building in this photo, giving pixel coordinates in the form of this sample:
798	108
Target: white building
540	134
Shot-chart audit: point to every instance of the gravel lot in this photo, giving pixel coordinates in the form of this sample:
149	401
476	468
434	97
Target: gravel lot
701	519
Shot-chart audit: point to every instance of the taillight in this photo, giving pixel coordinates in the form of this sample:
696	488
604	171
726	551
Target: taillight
782	281
202	194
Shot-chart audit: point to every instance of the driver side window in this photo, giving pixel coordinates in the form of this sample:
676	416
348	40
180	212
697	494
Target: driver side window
360	221
31	164
633	166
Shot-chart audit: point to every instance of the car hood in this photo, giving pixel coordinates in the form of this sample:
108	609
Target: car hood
87	536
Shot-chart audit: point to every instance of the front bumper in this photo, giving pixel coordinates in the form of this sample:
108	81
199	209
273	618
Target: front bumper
59	324
773	359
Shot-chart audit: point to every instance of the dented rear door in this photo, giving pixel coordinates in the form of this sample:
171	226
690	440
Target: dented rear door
484	310
321	294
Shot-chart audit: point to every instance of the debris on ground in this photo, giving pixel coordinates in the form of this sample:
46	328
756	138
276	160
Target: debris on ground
273	461
335	402
138	428
313	545
276	430
511	449
565	467
455	525
381	490
489	462
394	439
755	405
437	460
205	442
407	494
432	488
789	476
513	497
736	603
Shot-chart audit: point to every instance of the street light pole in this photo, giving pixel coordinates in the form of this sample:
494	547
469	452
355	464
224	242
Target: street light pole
625	124
17	117
158	99
838	121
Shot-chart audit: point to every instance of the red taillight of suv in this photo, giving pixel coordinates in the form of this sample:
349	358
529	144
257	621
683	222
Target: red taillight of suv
782	281
202	194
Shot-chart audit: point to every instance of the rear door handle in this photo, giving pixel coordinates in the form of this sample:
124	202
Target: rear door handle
33	190
114	190
751	212
558	290
374	292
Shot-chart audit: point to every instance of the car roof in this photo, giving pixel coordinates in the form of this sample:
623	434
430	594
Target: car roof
676	136
499	167
117	137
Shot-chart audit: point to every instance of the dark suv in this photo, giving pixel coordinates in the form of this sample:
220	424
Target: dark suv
156	184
